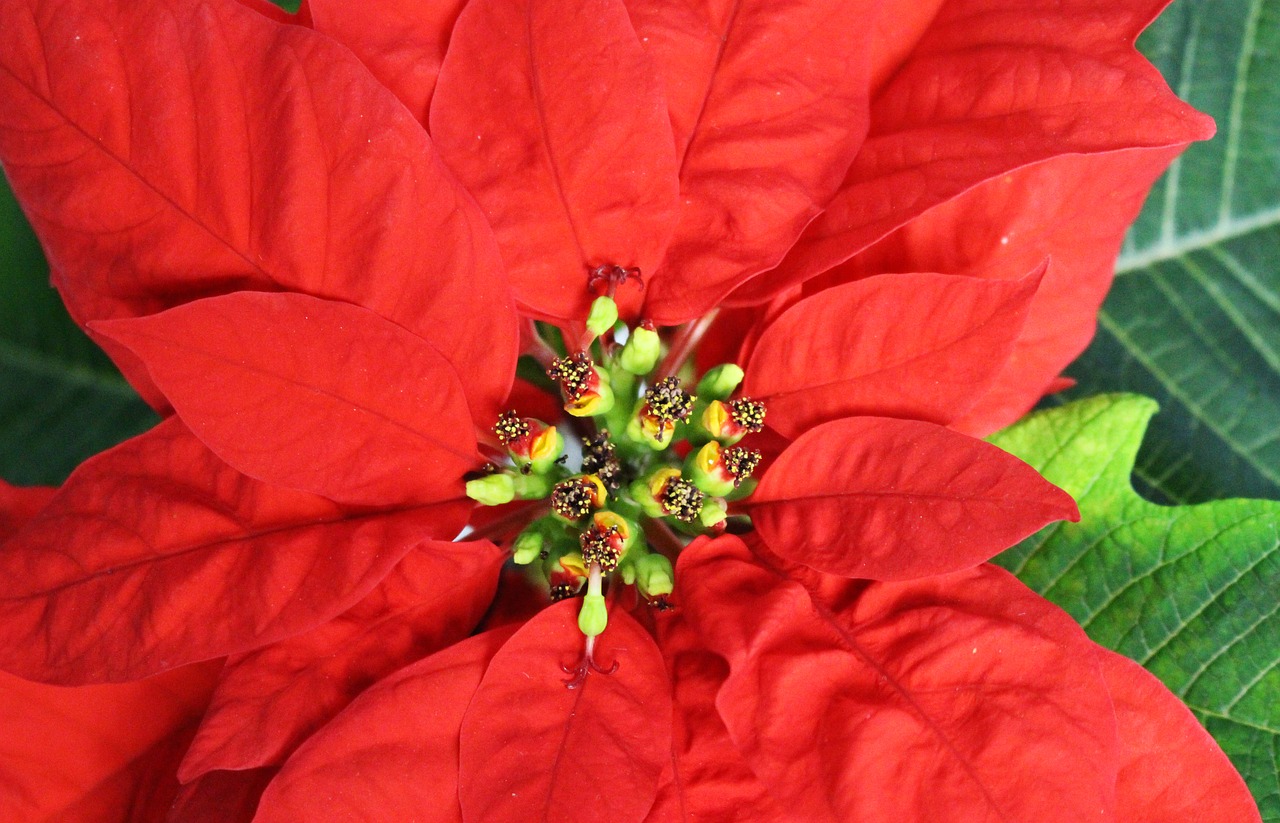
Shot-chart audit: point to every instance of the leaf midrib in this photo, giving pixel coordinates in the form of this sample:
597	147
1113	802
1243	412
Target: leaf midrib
57	368
1218	234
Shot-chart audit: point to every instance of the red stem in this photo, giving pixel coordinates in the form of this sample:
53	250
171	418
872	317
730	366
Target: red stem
662	538
538	348
686	341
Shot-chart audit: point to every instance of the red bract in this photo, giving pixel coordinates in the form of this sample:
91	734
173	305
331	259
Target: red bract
796	696
248	211
90	752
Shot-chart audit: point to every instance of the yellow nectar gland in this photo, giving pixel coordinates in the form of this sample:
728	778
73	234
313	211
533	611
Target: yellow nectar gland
715	418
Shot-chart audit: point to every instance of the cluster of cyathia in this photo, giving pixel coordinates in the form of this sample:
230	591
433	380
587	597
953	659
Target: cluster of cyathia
658	464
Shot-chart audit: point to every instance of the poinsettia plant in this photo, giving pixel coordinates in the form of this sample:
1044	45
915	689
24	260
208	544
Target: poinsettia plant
764	272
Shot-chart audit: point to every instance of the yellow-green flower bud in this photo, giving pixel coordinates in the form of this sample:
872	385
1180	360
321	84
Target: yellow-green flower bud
527	546
594	616
714	512
641	352
492	490
604	313
532	486
654	577
720	382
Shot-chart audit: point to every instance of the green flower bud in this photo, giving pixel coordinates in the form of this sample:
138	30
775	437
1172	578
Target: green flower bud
714	512
528	546
594	616
492	490
604	313
532	486
641	352
654	576
720	382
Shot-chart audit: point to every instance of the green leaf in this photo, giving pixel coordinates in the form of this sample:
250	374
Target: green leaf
1190	592
1194	317
61	399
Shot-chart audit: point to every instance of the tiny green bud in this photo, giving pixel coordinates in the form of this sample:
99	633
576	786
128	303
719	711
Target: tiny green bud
527	546
641	352
604	313
714	511
492	490
720	382
654	576
594	615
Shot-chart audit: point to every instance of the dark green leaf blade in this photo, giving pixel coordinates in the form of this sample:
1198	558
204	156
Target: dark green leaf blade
61	399
1194	317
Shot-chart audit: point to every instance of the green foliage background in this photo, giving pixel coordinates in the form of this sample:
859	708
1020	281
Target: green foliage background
1193	321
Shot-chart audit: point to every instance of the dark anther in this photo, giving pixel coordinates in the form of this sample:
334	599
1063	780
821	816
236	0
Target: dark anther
571	373
510	428
661	603
748	413
602	547
740	462
667	401
610	278
573	499
598	458
484	471
562	591
682	500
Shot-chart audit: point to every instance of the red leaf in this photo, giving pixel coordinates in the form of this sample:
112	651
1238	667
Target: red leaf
96	754
392	755
707	780
875	497
402	42
533	750
1171	770
992	85
769	104
311	394
964	697
561	133
20	504
168	150
1075	209
221	797
270	700
923	346
155	554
